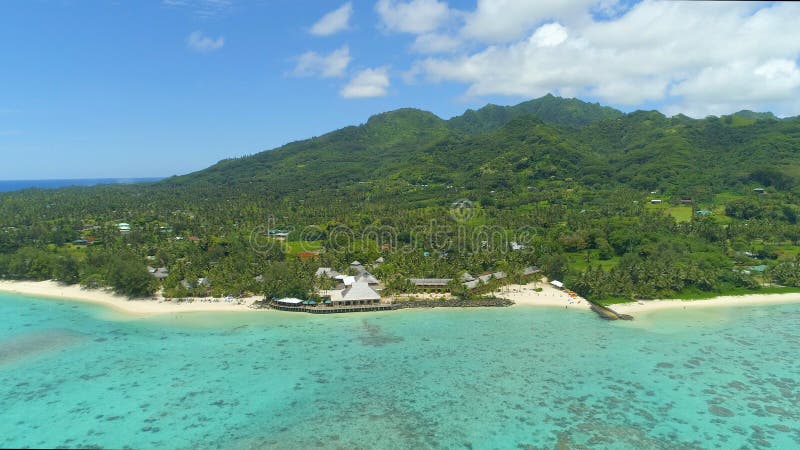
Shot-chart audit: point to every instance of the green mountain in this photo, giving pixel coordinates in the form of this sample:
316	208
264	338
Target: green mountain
549	109
519	146
747	114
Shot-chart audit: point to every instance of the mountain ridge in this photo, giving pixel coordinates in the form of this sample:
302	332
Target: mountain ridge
598	143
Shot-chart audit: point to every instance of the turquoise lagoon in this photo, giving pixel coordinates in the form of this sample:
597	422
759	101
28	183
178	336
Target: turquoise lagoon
77	375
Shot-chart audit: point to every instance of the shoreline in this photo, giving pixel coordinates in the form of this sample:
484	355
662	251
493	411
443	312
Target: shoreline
644	307
141	307
521	295
525	295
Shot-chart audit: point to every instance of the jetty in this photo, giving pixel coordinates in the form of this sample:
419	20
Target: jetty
606	313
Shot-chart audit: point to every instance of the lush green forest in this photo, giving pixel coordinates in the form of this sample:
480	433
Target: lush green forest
619	206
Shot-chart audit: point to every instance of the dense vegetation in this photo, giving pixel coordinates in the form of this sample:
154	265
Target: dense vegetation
570	182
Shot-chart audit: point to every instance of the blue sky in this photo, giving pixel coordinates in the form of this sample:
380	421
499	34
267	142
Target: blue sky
156	88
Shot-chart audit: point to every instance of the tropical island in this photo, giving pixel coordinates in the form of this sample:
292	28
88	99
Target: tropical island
618	207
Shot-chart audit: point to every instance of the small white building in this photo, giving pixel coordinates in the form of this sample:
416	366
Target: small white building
557	284
290	301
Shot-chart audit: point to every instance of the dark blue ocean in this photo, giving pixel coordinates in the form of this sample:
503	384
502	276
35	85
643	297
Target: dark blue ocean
16	185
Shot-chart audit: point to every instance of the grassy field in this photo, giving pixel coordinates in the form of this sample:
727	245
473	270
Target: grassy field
681	213
295	247
787	252
577	261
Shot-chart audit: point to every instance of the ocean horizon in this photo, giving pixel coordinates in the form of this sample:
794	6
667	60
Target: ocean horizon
17	185
80	375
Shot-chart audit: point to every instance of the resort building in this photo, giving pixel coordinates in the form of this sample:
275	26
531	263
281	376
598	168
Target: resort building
158	272
294	302
482	279
359	293
346	280
368	278
357	266
326	272
530	270
437	285
471	282
489	276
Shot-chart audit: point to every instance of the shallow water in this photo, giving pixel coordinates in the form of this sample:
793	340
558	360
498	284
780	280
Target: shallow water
77	375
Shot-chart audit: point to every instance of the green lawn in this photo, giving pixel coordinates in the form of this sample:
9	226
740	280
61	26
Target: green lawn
577	261
681	213
787	251
295	247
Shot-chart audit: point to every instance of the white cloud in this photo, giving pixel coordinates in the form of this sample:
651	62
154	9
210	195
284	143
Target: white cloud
333	64
549	35
672	53
199	42
367	83
742	82
415	16
740	85
507	20
435	43
333	22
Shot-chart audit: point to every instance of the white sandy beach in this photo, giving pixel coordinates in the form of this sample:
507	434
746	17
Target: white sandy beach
526	295
142	307
522	295
647	306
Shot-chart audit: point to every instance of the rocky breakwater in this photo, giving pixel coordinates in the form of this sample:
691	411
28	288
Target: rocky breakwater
453	303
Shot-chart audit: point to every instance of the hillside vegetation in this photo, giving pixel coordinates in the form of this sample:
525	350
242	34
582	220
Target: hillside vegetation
572	183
